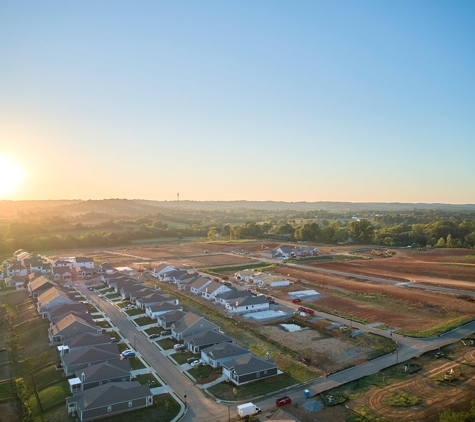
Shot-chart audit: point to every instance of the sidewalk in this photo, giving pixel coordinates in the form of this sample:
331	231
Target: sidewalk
210	384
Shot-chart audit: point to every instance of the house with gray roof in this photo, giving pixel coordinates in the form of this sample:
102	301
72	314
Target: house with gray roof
84	340
109	399
195	342
55	312
83	261
88	356
143	291
52	298
69	326
221	353
16	268
245	305
249	368
168	319
190	324
162	269
154	311
154	299
39	285
214	289
231	294
15	281
198	285
100	374
62	273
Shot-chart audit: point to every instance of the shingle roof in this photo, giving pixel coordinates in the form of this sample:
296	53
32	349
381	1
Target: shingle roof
206	337
186	321
248	301
87	339
71	319
222	350
164	306
109	394
105	370
249	365
92	354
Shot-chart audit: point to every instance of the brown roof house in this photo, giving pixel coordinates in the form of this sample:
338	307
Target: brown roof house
51	298
39	285
109	399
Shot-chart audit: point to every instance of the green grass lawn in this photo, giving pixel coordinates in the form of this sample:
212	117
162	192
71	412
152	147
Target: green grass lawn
6	389
166	343
47	376
134	312
136	363
148	379
225	390
204	371
181	357
113	296
121	304
92	309
54	394
103	324
165	408
145	320
153	330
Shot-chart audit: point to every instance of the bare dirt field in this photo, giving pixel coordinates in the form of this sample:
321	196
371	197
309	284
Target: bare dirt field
428	386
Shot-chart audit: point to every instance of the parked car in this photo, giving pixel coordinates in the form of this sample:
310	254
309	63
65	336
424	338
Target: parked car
191	360
115	339
283	400
127	353
197	362
154	336
179	347
100	295
296	300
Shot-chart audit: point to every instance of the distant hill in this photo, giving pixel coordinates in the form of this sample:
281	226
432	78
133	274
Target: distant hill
123	207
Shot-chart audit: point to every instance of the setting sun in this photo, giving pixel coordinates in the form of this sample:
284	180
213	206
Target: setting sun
11	177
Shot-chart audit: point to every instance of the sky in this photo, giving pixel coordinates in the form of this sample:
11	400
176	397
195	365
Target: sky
310	100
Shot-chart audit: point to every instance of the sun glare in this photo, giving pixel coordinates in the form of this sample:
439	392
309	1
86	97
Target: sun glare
10	177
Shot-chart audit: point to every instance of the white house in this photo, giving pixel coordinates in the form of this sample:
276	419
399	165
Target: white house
17	269
162	269
244	305
154	311
81	261
198	285
212	290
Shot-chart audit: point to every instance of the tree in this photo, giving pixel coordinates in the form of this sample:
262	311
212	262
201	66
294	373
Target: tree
361	230
440	243
449	242
449	416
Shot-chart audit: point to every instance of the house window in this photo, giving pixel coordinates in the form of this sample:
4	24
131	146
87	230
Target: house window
258	375
109	408
130	404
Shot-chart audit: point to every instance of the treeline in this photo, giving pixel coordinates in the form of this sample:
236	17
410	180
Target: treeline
430	228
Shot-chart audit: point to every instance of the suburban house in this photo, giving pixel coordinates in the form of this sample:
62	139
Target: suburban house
195	342
286	252
63	263
232	294
266	279
143	291
245	275
212	290
63	273
162	269
16	268
84	340
198	285
70	326
105	268
128	288
100	374
55	312
154	311
191	324
15	281
249	368
221	353
173	276
154	299
81	261
74	361
51	298
84	272
186	282
40	285
109	399
244	305
38	264
168	319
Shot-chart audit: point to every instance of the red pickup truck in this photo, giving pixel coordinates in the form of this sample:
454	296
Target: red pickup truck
283	400
296	300
306	310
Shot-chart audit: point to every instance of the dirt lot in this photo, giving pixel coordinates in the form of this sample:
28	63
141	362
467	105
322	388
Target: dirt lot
327	353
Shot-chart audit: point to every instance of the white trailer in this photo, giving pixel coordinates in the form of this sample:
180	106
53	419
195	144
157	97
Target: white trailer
247	409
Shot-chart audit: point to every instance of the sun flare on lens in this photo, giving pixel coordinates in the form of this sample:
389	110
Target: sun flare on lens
11	176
